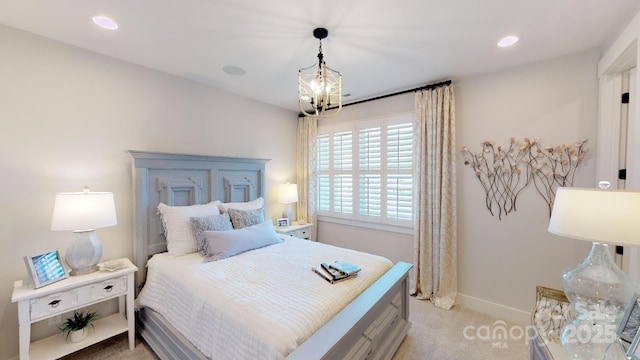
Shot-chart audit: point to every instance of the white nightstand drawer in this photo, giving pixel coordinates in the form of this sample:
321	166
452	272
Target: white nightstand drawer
108	288
300	231
53	304
59	302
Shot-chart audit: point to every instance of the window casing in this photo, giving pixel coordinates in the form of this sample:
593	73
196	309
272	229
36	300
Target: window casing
365	170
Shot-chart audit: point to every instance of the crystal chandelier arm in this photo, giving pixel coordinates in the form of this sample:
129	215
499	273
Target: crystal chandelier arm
318	91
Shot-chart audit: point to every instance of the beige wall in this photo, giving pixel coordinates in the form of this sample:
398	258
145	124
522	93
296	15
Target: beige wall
500	262
67	116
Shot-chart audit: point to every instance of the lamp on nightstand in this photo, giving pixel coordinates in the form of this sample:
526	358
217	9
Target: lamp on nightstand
597	288
82	213
288	195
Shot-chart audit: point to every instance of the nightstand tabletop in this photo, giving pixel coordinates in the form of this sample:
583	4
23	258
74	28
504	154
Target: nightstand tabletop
293	227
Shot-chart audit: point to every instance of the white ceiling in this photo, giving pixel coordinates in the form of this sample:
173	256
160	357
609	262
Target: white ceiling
379	46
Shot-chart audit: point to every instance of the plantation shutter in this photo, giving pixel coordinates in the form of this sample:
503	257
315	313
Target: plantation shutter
343	172
370	181
365	170
399	180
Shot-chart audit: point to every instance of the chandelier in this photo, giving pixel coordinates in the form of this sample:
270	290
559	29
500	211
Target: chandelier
319	88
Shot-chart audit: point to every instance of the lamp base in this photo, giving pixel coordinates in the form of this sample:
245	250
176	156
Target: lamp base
587	339
599	292
83	271
84	254
288	213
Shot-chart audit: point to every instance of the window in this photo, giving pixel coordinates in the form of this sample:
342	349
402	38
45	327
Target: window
365	170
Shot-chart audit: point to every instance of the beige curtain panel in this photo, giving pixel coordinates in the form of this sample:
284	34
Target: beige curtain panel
306	165
435	197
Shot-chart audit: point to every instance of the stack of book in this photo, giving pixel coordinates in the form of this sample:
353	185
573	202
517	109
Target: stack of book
336	271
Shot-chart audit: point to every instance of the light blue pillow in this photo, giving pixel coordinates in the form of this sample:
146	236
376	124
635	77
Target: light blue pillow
223	244
208	223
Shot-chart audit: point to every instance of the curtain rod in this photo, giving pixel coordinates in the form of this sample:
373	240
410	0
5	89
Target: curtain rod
425	87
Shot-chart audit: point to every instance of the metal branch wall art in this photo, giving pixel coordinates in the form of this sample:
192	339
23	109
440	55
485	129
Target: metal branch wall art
504	172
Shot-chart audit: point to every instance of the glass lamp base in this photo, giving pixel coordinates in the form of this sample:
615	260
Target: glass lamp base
83	271
586	339
84	253
599	292
288	213
616	351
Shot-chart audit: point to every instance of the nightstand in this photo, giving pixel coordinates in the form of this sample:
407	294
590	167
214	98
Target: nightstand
70	294
301	231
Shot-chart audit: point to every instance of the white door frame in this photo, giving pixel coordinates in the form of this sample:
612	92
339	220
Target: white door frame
621	57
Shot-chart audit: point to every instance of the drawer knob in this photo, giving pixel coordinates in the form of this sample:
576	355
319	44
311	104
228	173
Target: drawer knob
54	303
108	288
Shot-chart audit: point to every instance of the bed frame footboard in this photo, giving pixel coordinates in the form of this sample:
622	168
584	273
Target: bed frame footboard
371	327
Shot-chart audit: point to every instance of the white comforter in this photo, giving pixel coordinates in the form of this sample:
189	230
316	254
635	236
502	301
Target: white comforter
260	304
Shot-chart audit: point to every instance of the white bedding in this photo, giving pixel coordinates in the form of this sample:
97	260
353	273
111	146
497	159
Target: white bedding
260	304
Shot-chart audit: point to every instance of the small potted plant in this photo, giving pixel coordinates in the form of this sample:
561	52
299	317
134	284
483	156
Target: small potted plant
76	327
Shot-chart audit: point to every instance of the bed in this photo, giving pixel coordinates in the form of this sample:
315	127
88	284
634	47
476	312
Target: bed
371	326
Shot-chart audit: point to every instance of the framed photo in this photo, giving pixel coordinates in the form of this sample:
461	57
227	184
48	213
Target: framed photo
628	329
45	268
284	222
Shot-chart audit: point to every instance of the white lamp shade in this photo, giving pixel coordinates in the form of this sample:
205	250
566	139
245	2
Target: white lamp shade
83	211
288	194
604	216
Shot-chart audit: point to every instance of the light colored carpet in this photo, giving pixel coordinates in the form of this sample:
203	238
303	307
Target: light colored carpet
457	334
116	348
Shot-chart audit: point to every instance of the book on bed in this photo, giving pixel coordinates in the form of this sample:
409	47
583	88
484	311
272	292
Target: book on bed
325	275
344	267
336	271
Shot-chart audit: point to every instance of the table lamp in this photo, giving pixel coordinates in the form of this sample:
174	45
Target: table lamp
597	288
288	195
82	213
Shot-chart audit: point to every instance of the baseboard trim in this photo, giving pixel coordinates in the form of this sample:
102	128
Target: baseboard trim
513	315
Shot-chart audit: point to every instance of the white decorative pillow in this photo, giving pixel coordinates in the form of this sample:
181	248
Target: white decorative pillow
218	222
248	205
223	244
177	225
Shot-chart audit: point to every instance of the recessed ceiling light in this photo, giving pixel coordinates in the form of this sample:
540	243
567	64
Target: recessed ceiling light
234	70
105	22
508	41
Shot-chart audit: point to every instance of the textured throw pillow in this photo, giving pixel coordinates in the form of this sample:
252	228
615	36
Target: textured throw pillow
244	218
177	225
223	244
220	222
248	205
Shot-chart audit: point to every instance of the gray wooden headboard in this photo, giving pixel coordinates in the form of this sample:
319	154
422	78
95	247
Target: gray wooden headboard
179	180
